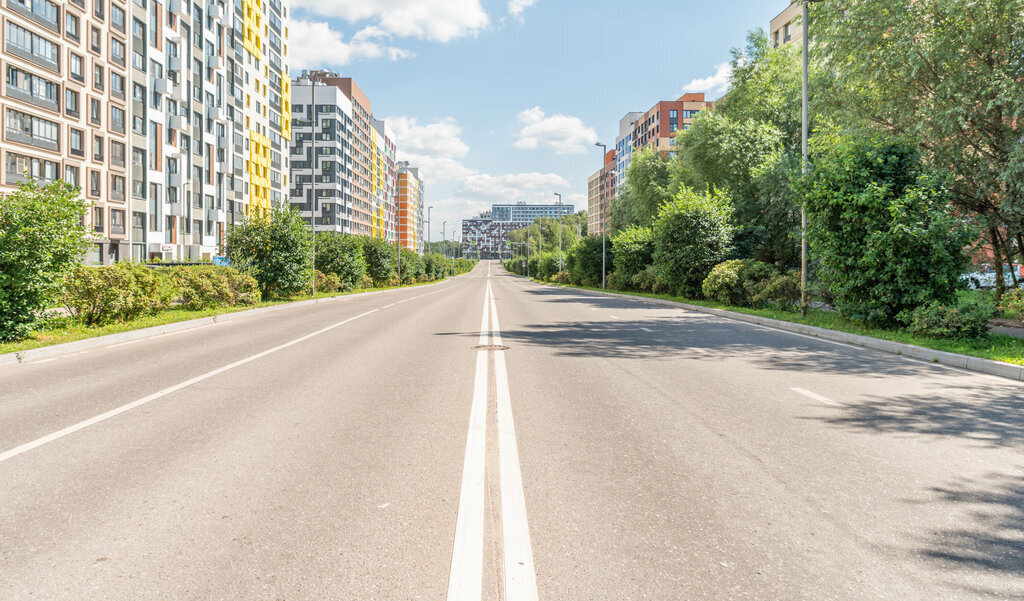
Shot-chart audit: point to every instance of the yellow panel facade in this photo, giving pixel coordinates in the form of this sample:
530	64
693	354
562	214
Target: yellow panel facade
259	174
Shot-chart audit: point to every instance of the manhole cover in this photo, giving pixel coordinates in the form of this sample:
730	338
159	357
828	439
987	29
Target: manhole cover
490	347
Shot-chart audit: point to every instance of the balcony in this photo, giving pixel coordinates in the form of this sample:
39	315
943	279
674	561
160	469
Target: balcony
163	86
216	215
174	63
177	122
178	8
215	11
176	209
175	180
216	113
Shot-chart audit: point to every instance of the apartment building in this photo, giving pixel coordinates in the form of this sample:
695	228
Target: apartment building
321	154
64	104
194	91
383	182
786	27
601	189
487	236
410	208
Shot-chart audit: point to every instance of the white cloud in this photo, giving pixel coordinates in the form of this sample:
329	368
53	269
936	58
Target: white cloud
435	20
315	45
562	133
715	85
440	138
513	186
516	7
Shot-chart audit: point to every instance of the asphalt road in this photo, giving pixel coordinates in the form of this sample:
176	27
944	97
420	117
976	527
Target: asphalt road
365	449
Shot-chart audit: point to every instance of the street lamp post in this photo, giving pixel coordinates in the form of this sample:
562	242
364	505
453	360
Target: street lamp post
604	266
428	227
559	230
804	135
444	236
312	181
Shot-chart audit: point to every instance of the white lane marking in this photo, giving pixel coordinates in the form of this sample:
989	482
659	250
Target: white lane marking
166	391
817	397
44	361
520	574
647	329
593	308
615	317
465	580
131	342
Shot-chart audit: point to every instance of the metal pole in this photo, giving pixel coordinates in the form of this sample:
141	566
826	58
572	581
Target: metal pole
559	230
428	227
312	182
804	136
604	252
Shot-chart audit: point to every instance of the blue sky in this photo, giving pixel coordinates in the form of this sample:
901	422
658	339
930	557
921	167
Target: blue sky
502	100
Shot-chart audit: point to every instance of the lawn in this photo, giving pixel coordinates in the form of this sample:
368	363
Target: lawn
58	330
998	347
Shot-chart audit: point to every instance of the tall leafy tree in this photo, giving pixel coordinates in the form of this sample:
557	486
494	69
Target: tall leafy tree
947	73
275	250
42	238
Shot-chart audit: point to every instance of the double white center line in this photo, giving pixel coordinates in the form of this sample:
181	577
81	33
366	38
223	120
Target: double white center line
465	582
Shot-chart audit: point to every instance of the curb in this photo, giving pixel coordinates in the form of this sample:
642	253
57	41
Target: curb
985	366
89	343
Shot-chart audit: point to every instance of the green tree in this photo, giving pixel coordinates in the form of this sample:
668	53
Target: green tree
945	73
583	260
275	250
380	259
342	255
882	227
42	238
648	187
633	250
692	234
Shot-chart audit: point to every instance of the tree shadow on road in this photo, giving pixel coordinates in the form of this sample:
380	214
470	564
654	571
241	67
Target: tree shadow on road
992	540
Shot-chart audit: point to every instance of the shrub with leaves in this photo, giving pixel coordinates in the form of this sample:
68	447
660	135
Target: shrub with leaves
633	250
940	321
120	292
692	234
341	255
327	283
202	288
584	260
1013	301
411	266
275	250
42	239
380	259
882	227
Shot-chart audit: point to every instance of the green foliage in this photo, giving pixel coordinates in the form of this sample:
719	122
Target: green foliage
692	234
42	239
380	259
781	291
342	256
736	282
940	321
650	280
198	288
327	283
411	267
435	266
648	186
746	158
946	73
548	265
543	232
120	292
584	260
633	250
1013	301
882	227
275	250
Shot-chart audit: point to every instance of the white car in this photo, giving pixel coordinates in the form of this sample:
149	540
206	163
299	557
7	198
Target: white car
985	277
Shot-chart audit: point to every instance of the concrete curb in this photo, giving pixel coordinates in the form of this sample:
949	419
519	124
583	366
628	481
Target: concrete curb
89	343
985	366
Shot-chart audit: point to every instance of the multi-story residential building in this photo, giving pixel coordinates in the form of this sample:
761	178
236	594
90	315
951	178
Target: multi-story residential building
383	182
486	236
601	188
656	129
410	207
65	107
624	144
193	91
323	132
785	28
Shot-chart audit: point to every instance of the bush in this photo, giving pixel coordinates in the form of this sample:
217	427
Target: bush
342	256
326	283
275	250
435	265
379	257
619	280
562	277
245	290
365	282
781	291
649	280
882	227
633	250
201	288
120	292
1013	301
411	267
940	321
692	234
42	239
584	260
736	282
548	265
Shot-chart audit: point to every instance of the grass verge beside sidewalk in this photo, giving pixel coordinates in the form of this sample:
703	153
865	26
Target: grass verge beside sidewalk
997	347
58	330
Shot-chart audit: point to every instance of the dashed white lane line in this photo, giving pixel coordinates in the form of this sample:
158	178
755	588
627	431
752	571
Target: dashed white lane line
615	317
520	574
166	391
817	397
647	329
465	580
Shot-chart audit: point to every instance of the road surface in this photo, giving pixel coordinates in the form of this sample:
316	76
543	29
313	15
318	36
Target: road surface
365	449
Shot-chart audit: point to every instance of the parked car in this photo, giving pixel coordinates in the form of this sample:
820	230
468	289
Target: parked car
985	277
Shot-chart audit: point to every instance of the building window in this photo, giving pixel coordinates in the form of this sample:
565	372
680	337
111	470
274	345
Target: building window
18	166
117	17
97	10
95	40
28	129
94	183
71	175
76	143
97	78
117	150
117	192
97	219
117	51
95	116
71	102
27	45
97	148
71	26
32	88
75	66
43	12
117	119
